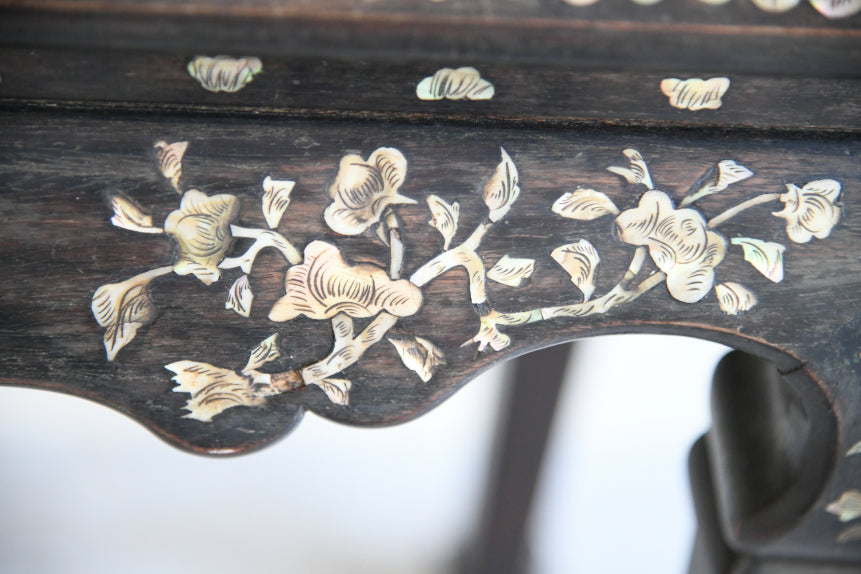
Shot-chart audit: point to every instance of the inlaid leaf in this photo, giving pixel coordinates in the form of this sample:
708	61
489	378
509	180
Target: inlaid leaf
122	308
695	94
461	84
338	390
511	271
129	215
488	334
584	205
264	352
223	73
811	211
419	355
847	507
240	296
168	158
502	189
381	230
445	217
637	170
734	298
214	390
716	179
765	256
580	260
276	198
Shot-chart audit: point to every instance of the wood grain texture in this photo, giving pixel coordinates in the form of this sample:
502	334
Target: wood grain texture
530	11
689	37
315	87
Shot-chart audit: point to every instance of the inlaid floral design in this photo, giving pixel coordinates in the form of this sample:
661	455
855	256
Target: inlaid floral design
671	244
363	190
679	242
810	211
201	228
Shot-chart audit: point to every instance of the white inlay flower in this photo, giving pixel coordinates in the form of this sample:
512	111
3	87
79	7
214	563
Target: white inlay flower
680	243
168	158
201	228
363	190
445	216
325	285
811	211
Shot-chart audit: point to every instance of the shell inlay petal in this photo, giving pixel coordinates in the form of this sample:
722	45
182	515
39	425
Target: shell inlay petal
325	285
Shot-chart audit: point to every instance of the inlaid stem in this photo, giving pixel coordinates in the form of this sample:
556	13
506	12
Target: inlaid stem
348	349
262	238
733	211
396	246
613	298
463	255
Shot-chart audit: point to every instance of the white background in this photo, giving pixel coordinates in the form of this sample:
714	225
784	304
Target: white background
85	490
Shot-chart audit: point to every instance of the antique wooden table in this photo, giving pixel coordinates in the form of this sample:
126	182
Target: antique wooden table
217	216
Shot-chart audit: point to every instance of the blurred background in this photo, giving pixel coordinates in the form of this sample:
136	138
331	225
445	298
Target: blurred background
85	490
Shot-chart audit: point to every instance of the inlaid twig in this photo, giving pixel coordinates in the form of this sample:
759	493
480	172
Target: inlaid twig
263	238
735	210
347	349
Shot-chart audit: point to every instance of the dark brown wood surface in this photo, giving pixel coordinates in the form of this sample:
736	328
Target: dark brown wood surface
370	89
617	34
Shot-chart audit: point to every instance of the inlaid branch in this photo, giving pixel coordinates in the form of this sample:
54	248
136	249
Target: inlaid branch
348	348
346	351
263	238
735	210
463	255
